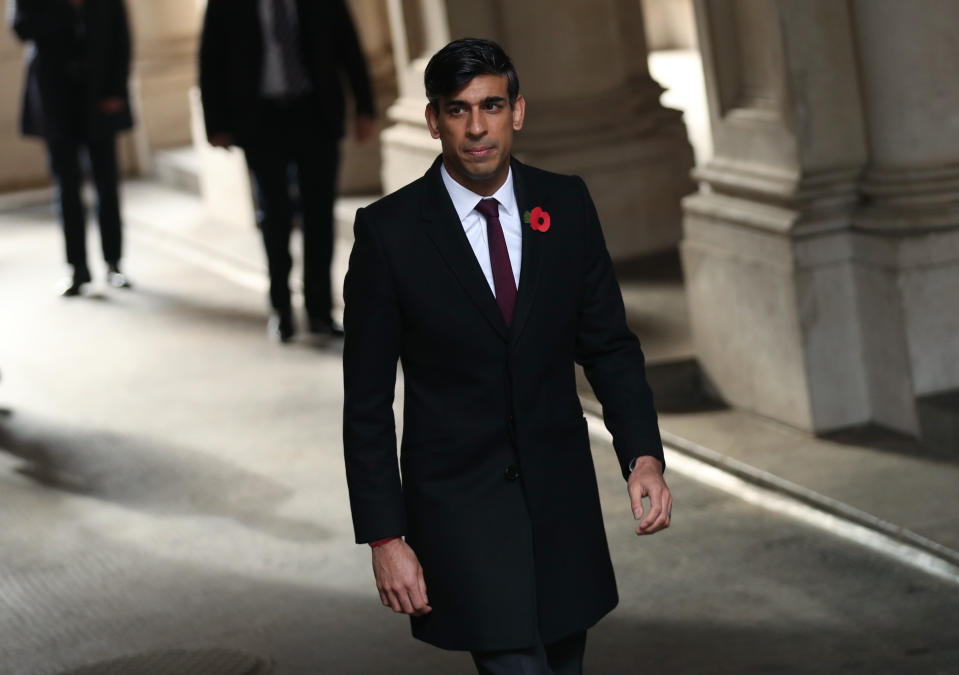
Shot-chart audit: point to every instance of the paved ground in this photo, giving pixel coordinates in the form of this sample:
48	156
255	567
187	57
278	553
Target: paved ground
169	480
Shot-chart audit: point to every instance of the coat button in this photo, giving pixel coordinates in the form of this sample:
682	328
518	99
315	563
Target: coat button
511	473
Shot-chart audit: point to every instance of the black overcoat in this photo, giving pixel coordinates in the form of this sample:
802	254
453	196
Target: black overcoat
231	65
49	109
498	496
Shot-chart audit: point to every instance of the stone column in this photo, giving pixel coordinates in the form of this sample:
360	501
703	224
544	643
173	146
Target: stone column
592	108
223	176
360	167
22	161
419	28
908	54
770	255
669	24
165	36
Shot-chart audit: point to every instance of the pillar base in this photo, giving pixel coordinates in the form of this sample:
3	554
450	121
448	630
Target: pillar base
224	178
820	327
407	148
804	329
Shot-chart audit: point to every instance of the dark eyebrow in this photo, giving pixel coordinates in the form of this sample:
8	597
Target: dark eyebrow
465	104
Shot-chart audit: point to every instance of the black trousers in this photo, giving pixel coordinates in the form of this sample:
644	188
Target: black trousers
293	148
64	158
563	657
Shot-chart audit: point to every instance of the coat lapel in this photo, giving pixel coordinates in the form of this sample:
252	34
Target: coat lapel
528	196
445	230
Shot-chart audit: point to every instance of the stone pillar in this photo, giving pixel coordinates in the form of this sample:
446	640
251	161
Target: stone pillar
165	36
592	108
669	24
908	54
419	28
822	253
22	161
360	167
224	179
772	262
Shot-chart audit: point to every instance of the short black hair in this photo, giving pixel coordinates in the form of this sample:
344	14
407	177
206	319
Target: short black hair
452	68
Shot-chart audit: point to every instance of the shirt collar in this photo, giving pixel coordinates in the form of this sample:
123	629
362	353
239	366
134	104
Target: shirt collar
465	200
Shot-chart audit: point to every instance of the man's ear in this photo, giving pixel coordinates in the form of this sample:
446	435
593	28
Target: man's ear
519	112
432	120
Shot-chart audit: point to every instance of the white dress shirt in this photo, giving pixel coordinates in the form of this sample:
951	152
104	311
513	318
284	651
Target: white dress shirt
474	224
273	83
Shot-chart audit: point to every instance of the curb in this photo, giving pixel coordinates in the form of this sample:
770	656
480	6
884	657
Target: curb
811	498
776	493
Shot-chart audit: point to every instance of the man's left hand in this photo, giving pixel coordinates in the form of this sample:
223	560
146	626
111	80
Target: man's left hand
646	480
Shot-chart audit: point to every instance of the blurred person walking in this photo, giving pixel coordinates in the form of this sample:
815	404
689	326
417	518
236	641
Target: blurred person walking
75	97
270	79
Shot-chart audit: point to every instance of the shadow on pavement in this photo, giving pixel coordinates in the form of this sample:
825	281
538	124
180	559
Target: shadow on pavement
193	308
149	477
314	631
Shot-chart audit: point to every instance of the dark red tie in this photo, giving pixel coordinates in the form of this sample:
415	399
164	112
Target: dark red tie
503	280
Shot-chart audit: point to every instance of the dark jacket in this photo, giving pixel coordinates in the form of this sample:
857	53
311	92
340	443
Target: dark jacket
69	71
498	496
231	65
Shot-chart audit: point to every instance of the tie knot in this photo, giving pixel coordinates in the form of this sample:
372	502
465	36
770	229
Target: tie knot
489	208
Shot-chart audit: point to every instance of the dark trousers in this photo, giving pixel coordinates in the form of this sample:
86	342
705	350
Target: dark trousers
563	657
291	144
64	157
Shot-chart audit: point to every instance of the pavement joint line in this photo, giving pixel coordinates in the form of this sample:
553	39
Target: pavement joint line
774	493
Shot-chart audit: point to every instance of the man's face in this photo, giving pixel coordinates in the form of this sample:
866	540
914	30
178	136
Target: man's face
475	126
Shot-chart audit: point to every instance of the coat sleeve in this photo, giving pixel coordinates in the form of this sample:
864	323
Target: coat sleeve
349	51
610	353
117	84
370	353
213	67
38	21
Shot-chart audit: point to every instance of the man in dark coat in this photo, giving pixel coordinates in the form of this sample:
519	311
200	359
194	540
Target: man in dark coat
488	279
75	96
270	74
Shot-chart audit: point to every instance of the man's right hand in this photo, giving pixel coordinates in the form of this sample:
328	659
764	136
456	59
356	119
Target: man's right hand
221	140
399	578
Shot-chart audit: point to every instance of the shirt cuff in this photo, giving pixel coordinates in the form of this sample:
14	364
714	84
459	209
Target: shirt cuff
632	462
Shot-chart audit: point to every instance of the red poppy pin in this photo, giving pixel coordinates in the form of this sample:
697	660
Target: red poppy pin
538	219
